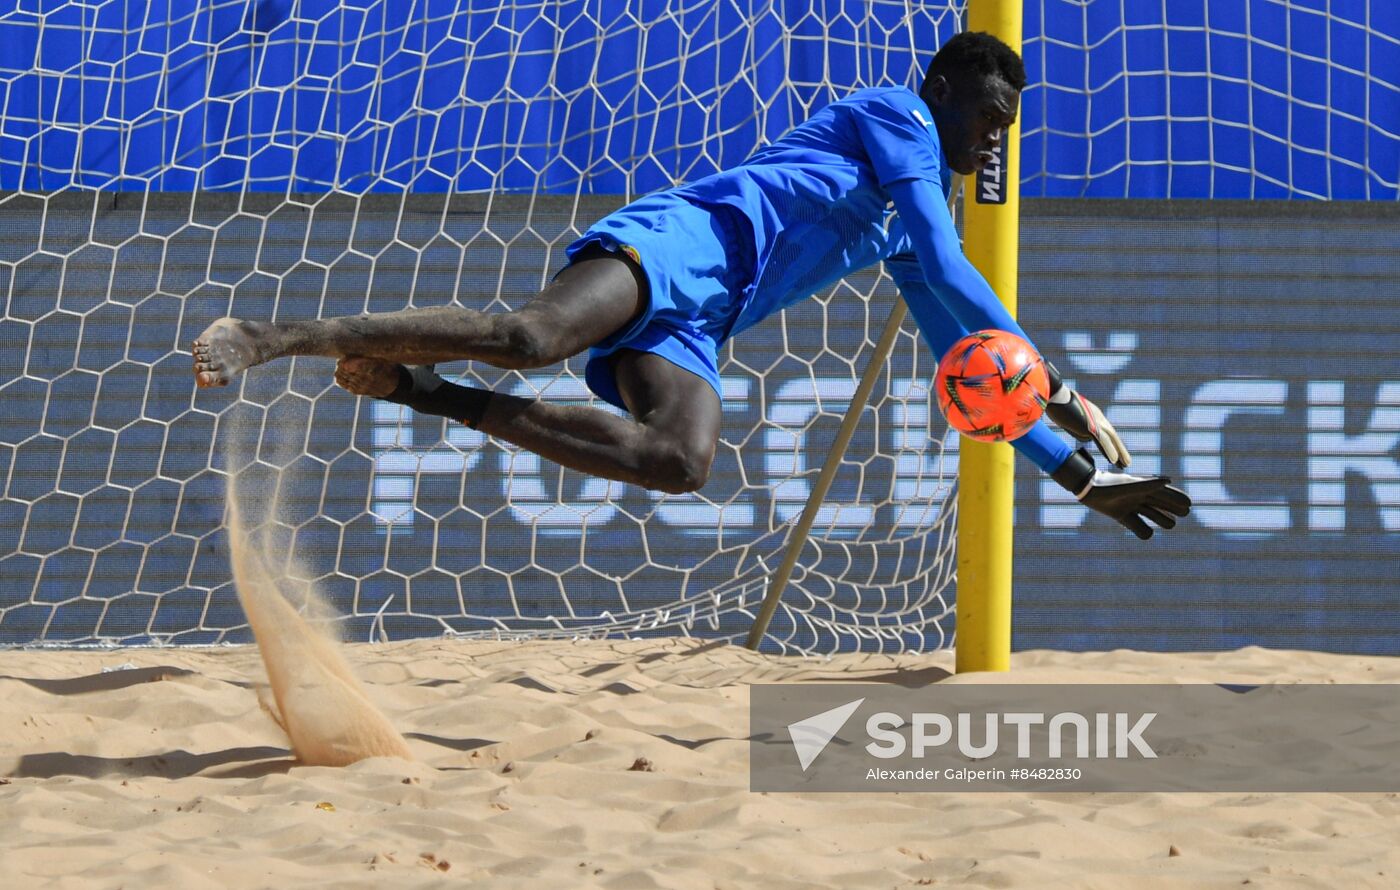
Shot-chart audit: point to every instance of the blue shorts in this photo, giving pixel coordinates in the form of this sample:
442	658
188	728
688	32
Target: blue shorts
699	262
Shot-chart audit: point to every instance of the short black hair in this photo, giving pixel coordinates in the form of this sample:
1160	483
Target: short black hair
978	53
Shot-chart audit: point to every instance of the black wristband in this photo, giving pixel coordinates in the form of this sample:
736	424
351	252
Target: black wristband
1075	474
403	393
421	389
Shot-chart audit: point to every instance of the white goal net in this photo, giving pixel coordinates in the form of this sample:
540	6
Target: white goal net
305	160
166	164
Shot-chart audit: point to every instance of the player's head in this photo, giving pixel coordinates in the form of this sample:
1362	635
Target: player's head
973	87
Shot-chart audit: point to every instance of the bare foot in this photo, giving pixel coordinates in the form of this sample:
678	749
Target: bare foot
227	348
366	376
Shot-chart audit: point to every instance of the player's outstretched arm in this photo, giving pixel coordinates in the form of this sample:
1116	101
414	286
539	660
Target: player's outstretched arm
941	330
1129	500
953	298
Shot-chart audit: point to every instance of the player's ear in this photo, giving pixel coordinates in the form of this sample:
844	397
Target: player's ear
936	90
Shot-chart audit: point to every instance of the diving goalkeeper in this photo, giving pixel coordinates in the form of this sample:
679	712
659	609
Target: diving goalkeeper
655	288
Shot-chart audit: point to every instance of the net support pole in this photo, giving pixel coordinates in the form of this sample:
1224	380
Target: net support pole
985	470
881	354
817	497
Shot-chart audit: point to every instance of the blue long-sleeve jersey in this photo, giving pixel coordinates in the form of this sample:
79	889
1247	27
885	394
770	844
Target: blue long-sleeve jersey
863	181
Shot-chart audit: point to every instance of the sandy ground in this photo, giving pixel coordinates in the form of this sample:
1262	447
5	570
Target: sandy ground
157	768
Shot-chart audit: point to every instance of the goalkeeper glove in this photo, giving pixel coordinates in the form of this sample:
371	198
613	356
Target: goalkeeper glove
1128	500
1083	420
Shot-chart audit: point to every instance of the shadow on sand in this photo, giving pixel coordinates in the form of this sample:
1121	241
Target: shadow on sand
238	763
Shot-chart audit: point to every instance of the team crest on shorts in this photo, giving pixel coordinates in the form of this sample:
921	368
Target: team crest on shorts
632	252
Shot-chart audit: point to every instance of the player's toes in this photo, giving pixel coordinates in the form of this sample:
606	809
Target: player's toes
208	374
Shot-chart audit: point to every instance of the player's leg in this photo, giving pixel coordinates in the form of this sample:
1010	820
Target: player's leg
667	444
597	294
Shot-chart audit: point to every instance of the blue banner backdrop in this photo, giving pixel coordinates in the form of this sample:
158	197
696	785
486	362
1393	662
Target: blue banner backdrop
1249	350
1187	99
